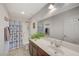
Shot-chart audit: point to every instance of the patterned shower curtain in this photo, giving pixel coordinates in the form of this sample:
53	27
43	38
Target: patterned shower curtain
15	30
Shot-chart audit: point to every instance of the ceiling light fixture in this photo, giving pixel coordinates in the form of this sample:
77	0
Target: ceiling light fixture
22	12
51	6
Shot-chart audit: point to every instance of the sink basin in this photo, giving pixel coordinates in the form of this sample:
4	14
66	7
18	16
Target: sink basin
56	50
59	52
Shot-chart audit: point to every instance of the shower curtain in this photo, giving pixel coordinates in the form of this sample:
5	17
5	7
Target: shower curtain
15	31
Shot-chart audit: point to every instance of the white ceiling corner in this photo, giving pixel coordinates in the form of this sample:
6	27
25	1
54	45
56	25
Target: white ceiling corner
15	9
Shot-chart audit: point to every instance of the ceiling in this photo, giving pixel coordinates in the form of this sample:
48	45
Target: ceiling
29	9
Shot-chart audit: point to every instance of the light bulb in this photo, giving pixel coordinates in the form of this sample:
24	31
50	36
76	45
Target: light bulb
51	6
22	12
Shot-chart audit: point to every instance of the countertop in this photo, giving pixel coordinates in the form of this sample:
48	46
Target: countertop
61	51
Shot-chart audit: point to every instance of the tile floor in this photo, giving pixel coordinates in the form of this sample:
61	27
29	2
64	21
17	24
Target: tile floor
19	52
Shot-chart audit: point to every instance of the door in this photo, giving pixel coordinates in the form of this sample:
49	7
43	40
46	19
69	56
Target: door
40	27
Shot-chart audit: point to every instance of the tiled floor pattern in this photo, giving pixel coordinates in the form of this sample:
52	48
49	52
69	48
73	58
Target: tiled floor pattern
19	52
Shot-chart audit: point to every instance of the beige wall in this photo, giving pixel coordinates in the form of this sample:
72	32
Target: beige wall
3	12
3	24
33	30
25	32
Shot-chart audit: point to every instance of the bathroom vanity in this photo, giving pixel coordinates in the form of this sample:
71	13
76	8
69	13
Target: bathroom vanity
35	50
43	47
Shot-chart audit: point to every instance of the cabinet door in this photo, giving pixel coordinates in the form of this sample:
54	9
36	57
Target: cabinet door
42	53
34	51
30	49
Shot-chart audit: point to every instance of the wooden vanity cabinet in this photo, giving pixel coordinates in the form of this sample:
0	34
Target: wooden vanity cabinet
41	52
32	49
36	50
